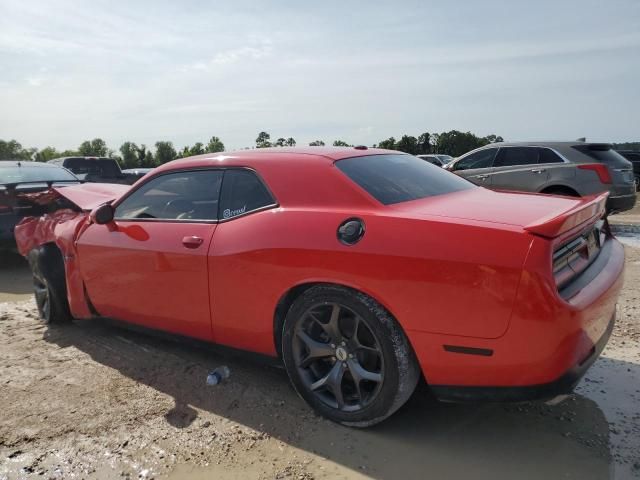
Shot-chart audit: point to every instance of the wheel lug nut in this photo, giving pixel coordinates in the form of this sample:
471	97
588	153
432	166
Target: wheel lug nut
344	344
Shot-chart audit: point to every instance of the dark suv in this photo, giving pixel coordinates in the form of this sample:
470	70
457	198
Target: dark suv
560	168
94	169
634	158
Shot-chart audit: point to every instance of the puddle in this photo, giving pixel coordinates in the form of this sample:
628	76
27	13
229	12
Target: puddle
630	239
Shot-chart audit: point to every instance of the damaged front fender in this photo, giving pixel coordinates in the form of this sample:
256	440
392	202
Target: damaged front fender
67	215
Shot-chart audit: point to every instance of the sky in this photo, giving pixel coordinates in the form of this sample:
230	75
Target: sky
360	71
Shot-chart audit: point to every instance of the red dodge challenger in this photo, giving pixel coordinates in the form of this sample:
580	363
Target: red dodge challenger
362	269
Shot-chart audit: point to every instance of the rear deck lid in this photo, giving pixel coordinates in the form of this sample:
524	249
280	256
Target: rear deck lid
545	215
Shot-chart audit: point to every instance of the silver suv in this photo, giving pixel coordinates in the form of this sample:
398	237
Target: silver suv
560	168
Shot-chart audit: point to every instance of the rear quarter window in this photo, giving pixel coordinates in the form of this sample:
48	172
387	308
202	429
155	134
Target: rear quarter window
400	178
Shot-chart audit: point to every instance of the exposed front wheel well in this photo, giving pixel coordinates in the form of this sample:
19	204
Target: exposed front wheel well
50	288
50	260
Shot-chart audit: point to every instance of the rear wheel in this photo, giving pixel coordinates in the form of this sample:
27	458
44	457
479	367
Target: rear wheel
49	285
347	357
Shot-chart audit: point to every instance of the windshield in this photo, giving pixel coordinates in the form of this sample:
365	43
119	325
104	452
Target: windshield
102	167
26	173
399	178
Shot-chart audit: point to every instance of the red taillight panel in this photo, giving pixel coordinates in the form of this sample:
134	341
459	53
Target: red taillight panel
601	170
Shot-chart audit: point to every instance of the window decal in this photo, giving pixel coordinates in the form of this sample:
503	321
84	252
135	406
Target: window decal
228	213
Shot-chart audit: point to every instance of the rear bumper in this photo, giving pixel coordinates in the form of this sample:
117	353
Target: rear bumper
621	203
552	339
562	386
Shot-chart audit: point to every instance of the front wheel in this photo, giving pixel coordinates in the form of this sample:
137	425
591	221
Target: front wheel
347	357
49	285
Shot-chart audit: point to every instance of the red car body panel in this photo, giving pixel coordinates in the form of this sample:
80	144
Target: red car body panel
471	268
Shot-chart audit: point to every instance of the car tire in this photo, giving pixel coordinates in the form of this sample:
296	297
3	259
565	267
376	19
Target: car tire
347	356
49	285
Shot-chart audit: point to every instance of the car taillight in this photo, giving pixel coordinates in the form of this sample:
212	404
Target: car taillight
573	257
601	170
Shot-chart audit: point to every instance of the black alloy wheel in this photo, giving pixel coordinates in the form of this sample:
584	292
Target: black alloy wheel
338	357
347	356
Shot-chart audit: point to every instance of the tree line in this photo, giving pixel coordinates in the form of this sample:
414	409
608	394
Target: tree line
129	155
132	155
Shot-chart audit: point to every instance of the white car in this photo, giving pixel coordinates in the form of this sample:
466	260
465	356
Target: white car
437	159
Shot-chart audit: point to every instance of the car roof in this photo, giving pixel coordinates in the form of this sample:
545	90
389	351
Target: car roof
257	156
26	163
543	144
79	157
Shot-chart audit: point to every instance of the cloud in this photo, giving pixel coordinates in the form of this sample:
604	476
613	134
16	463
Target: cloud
232	56
247	53
35	81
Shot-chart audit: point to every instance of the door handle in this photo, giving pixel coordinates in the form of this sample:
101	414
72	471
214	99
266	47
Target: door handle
192	241
538	170
481	177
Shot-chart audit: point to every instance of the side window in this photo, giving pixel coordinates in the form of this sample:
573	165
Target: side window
189	195
242	192
481	159
512	156
549	156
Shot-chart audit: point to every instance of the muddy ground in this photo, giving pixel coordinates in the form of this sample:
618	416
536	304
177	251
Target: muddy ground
97	400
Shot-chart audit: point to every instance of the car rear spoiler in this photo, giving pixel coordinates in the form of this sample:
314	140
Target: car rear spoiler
554	225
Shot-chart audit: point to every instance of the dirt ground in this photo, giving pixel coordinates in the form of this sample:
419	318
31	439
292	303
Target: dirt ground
96	400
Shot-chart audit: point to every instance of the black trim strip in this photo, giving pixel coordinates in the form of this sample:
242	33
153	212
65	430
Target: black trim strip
483	352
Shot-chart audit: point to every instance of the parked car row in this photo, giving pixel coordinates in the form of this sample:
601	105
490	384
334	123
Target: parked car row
559	168
99	170
135	174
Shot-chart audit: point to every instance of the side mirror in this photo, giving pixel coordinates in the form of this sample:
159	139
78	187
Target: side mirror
103	214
